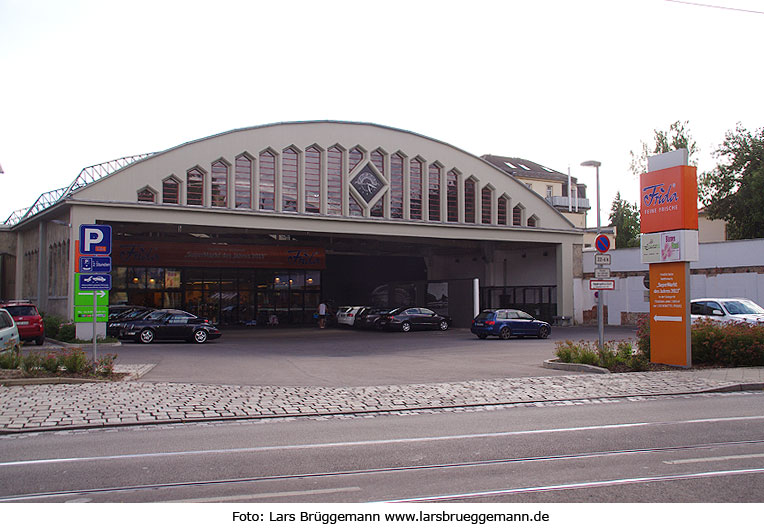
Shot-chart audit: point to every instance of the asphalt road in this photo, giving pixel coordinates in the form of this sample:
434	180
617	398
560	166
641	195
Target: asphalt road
348	357
706	448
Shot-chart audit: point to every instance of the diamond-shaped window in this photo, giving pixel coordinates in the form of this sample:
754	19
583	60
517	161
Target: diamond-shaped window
367	183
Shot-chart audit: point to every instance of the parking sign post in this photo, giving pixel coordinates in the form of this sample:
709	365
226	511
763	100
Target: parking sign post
95	248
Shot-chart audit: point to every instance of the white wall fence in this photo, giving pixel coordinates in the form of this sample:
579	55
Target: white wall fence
725	269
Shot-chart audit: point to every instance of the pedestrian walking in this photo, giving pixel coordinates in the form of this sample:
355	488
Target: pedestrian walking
322	315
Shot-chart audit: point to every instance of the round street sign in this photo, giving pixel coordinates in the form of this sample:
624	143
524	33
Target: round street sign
602	243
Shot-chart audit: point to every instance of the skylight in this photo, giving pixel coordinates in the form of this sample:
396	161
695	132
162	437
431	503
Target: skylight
511	166
523	166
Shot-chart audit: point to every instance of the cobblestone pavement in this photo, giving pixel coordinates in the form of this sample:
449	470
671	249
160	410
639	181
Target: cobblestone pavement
132	402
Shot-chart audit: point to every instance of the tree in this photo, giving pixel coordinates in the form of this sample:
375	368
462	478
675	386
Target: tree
734	190
678	136
625	217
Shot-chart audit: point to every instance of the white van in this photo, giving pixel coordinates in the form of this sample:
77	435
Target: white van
9	334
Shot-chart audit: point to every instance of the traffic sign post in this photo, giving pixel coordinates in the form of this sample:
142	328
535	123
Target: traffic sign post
92	274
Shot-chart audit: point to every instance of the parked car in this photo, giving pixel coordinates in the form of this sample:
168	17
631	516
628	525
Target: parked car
170	324
369	317
506	323
116	325
346	315
412	318
10	342
726	310
28	320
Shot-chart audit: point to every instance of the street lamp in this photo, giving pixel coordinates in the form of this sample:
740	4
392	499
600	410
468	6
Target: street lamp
600	317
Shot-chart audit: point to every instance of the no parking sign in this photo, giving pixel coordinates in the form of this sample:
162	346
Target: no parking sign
602	243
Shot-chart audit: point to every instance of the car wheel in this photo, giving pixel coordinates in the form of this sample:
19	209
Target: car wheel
543	332
443	325
482	336
39	340
405	326
200	336
505	333
146	336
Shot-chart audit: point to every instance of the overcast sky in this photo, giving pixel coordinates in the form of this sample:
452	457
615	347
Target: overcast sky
556	82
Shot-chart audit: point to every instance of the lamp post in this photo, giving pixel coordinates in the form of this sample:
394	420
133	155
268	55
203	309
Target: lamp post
600	317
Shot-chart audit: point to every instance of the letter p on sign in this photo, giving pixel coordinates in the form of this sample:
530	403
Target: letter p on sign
95	239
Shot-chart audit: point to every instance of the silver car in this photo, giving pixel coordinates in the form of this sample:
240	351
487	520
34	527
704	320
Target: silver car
346	315
727	310
9	334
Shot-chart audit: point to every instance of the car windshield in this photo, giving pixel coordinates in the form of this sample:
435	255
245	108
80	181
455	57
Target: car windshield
742	307
21	311
485	315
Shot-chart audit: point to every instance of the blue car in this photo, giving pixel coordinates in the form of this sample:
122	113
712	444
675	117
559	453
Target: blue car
508	323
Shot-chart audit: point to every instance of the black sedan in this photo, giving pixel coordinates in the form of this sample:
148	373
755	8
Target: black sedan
170	324
117	323
412	317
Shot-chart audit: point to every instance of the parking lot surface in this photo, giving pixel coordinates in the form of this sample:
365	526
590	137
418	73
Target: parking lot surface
341	357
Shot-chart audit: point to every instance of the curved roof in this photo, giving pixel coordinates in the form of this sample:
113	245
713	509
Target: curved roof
302	179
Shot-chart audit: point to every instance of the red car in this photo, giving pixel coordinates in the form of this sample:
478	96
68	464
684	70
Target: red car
28	320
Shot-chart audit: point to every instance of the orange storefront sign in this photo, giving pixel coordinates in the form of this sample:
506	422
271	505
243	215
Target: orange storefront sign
669	313
669	199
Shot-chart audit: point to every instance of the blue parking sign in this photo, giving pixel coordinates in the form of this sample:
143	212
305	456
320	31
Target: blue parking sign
95	239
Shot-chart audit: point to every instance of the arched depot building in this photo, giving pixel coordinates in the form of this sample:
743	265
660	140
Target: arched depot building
270	220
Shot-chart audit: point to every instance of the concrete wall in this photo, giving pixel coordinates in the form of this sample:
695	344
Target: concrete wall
725	269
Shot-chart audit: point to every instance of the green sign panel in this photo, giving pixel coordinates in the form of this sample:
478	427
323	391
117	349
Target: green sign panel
83	304
84	314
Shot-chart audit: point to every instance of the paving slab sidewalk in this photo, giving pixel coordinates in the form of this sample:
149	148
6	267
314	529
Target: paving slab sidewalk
129	403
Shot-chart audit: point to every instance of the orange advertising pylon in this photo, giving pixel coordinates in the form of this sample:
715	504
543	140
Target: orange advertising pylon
668	205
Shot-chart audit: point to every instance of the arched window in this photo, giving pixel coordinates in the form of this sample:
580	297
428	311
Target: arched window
433	192
486	204
501	210
378	210
334	182
517	215
378	159
312	180
452	196
146	195
355	156
353	206
396	186
243	182
415	180
267	181
289	172
170	191
470	200
194	187
219	184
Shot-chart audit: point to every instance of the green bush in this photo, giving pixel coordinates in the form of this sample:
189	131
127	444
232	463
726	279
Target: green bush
567	351
727	344
50	363
32	364
52	323
643	335
105	365
75	361
66	332
10	360
618	355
